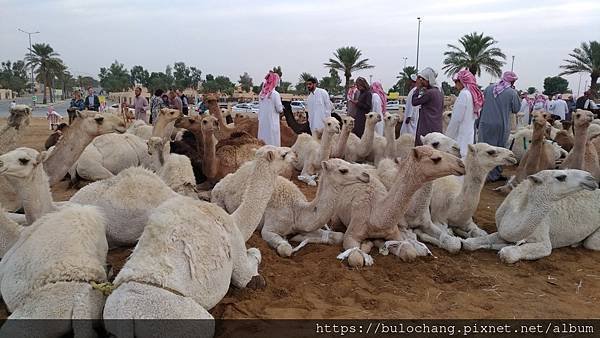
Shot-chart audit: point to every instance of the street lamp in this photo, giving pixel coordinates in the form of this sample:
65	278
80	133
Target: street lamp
405	58
418	41
30	54
512	64
370	79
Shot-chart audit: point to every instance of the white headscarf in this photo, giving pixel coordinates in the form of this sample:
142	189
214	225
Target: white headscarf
430	75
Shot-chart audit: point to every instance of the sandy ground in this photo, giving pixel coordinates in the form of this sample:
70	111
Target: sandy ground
314	284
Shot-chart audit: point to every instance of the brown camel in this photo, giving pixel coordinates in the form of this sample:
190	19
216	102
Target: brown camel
583	156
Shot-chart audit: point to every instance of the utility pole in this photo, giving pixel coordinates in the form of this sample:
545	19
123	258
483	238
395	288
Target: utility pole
405	58
30	54
418	41
512	65
370	79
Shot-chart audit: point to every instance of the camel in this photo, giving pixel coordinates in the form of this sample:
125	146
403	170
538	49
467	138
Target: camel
371	212
174	169
583	156
538	157
342	138
520	141
551	209
190	252
9	232
446	116
358	149
310	152
454	201
140	129
53	270
110	154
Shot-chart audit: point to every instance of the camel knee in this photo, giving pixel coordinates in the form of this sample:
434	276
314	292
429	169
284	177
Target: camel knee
449	243
592	242
284	249
356	259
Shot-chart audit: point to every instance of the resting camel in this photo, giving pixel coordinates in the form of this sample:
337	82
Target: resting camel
189	254
584	155
174	169
371	212
551	209
341	140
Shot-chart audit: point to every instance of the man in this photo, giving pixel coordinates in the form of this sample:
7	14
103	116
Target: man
500	100
431	100
352	97
411	113
318	105
184	102
140	104
53	118
175	102
92	102
586	102
559	108
269	108
13	104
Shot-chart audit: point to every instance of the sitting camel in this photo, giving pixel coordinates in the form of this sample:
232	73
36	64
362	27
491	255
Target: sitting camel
183	264
551	209
359	149
520	142
342	138
454	201
371	212
584	155
174	169
9	231
51	272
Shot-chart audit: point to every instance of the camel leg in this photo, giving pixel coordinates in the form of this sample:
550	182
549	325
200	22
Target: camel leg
592	242
356	257
527	251
320	236
245	263
277	242
431	233
490	242
470	230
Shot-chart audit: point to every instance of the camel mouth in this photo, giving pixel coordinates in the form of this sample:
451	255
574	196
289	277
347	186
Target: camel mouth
121	130
589	185
511	160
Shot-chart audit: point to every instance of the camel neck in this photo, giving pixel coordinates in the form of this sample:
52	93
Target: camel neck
35	193
213	108
473	182
538	134
9	232
314	215
9	136
390	142
579	143
395	203
340	147
209	160
326	145
525	214
366	141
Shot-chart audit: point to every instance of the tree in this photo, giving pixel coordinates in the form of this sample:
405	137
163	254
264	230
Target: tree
256	89
586	60
245	82
140	76
218	84
476	53
182	75
555	85
87	81
44	61
301	85
284	87
14	76
332	83
448	89
159	80
531	90
115	78
347	61
195	77
403	85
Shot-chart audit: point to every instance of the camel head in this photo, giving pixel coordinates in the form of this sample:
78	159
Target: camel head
155	145
340	173
210	124
169	115
372	118
275	159
20	163
347	122
431	164
332	126
210	98
582	118
96	124
187	122
558	184
441	142
487	157
540	118
20	116
391	120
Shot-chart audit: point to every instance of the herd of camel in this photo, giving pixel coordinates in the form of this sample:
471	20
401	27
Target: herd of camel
189	192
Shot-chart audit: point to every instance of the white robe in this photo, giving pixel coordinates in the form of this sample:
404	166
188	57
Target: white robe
525	110
319	108
560	108
376	104
268	119
412	112
461	127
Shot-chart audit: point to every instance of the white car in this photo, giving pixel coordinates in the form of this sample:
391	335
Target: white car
297	106
393	105
245	108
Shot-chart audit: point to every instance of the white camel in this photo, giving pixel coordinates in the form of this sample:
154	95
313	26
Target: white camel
189	254
551	209
359	149
174	169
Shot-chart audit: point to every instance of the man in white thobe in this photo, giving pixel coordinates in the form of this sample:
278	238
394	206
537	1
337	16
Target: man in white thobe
269	107
560	108
411	113
318	105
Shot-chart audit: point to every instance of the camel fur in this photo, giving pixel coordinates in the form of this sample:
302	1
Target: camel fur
174	169
9	232
358	149
584	155
551	209
341	139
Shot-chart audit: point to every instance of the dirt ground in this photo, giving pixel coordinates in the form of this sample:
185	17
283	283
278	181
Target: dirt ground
314	284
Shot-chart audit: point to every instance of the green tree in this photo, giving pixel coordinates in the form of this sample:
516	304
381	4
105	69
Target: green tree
284	87
448	89
14	76
555	85
476	52
170	77
159	80
404	82
531	90
115	78
139	75
218	84
585	59
87	81
256	89
195	77
301	85
332	83
182	75
246	82
347	60
44	61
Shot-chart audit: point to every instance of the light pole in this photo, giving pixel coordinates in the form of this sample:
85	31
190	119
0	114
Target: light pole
370	79
418	41
405	58
512	65
30	54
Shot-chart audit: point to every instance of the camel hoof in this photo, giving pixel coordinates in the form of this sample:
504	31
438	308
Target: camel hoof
468	244
508	255
407	252
356	260
284	250
452	244
257	282
477	233
254	252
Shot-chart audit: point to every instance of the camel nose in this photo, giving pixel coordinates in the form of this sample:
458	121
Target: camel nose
1	164
461	164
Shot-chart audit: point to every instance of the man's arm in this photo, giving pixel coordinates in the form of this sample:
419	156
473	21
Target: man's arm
277	101
417	101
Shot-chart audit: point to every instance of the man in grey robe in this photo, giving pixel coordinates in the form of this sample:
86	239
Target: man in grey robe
501	99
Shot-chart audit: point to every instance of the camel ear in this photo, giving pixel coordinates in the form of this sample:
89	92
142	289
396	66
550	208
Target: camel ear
41	157
99	118
415	153
324	165
535	179
270	156
471	148
422	139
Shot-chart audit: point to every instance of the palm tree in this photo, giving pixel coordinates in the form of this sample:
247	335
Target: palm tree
476	53
587	60
44	60
405	79
304	76
347	61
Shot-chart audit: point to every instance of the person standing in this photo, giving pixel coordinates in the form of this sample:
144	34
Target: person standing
140	105
13	104
411	113
92	102
466	110
175	101
526	106
156	104
585	102
364	105
269	108
379	104
184	102
500	100
75	104
53	118
540	103
431	100
560	108
352	97
318	105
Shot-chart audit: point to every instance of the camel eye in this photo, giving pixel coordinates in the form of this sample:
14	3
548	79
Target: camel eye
204	122
491	152
578	115
436	160
435	144
329	124
561	178
24	161
343	171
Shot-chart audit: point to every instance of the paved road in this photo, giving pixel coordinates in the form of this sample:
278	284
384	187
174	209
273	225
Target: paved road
40	110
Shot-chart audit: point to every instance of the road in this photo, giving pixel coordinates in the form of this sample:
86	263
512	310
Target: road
40	110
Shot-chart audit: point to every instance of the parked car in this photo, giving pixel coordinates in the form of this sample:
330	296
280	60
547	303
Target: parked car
297	106
243	108
393	105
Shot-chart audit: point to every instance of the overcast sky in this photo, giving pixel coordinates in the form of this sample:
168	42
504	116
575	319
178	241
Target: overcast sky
232	37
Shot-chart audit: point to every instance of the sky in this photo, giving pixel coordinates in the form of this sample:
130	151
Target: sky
233	37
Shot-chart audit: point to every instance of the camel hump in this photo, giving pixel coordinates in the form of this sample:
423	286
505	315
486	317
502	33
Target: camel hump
239	138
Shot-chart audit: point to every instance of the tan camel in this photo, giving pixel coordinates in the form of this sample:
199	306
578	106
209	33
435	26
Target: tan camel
342	139
374	213
583	156
359	149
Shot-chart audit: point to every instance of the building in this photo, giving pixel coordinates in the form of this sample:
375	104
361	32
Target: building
7	94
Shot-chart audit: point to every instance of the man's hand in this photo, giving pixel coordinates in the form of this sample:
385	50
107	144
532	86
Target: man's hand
408	120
